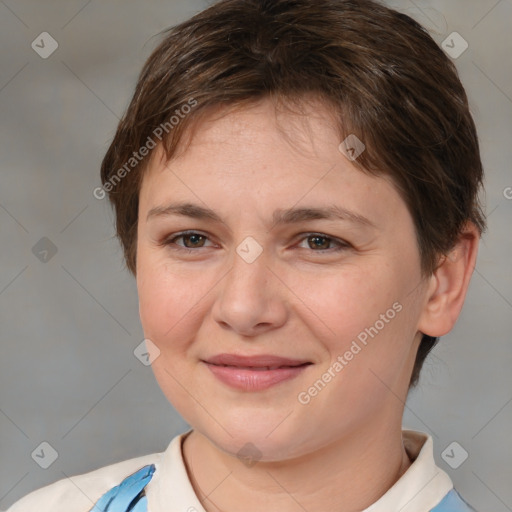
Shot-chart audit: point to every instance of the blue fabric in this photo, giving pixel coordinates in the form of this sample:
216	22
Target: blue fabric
452	502
128	496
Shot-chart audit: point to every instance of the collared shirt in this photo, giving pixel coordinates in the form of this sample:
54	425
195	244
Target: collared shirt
421	488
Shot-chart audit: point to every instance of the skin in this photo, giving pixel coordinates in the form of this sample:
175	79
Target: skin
342	450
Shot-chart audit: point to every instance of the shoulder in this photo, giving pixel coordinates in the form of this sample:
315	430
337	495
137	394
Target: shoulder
79	493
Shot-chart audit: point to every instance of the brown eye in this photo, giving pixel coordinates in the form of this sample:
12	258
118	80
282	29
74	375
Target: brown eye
319	242
194	239
191	241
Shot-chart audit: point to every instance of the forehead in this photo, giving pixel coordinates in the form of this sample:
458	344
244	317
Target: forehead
266	155
303	125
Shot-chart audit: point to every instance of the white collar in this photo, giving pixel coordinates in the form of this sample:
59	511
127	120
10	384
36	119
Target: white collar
422	486
419	489
170	489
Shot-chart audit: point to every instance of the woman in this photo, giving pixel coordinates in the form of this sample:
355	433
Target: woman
296	192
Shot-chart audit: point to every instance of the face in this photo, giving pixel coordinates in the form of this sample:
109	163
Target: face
281	285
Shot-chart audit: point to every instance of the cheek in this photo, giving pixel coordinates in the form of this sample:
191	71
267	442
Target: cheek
365	316
342	304
162	304
171	301
162	301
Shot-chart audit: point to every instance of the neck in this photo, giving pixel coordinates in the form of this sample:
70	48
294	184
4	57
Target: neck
347	476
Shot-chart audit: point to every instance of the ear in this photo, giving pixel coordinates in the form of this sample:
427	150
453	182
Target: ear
449	284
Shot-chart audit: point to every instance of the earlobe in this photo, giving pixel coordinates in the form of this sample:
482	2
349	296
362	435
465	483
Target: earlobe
449	284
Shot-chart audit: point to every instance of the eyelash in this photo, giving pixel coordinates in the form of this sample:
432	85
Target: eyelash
170	242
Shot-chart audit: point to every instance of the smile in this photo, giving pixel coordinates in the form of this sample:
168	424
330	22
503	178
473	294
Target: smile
254	373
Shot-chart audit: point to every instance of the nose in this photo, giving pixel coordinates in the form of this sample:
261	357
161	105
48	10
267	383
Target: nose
250	299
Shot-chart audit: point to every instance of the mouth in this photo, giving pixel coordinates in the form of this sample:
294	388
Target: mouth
264	361
254	373
258	368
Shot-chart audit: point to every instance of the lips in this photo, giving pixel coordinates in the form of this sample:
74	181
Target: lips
261	362
254	373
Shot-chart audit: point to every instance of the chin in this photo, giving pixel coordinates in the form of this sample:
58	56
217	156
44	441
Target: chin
257	436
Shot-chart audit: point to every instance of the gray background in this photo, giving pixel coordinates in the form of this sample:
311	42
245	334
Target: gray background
69	326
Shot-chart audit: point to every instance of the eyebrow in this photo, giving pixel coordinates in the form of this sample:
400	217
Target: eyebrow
280	216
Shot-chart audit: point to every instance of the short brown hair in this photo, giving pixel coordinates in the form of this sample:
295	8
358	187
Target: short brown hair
386	79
